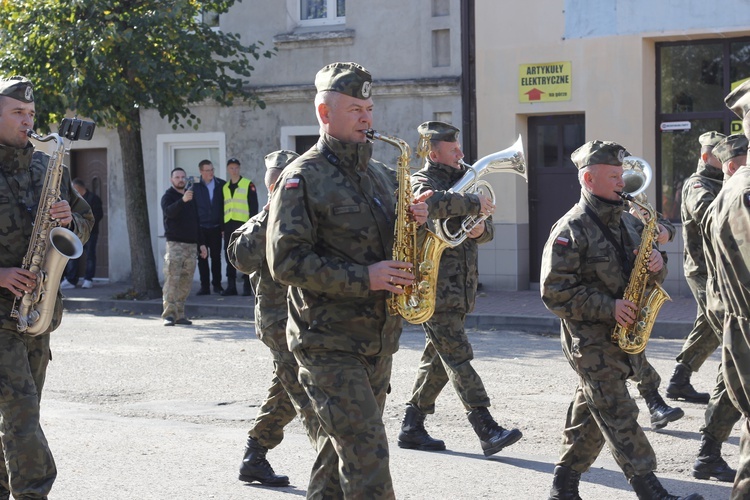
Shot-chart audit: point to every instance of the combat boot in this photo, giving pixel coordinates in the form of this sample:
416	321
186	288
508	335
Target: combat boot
710	464
492	437
565	484
680	387
255	467
413	435
648	487
231	288
661	412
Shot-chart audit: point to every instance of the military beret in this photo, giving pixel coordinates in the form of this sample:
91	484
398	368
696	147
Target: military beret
732	146
596	152
346	78
738	100
439	131
711	138
280	159
17	87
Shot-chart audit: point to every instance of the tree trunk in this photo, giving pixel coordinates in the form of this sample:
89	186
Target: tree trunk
143	266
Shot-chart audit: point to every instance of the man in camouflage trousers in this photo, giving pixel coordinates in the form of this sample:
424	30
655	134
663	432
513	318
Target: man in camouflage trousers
184	242
246	251
330	237
730	232
27	469
586	265
698	192
447	354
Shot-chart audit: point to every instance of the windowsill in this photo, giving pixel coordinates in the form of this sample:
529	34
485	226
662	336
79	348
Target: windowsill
310	37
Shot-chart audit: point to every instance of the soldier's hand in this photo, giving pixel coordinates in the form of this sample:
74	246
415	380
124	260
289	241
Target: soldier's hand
187	195
624	312
60	211
477	231
663	235
17	280
488	208
418	208
203	251
389	275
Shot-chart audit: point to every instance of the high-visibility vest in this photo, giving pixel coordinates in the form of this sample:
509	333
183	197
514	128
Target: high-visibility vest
236	206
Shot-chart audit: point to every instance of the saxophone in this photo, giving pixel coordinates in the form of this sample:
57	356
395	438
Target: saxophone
417	303
49	250
633	338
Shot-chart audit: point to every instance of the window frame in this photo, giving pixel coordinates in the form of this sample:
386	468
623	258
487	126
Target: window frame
330	20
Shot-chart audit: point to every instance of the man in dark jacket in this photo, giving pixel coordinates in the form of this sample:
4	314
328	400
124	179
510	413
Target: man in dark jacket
184	240
71	271
209	197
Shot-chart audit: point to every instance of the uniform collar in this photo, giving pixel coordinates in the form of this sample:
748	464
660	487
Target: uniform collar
347	155
608	211
709	171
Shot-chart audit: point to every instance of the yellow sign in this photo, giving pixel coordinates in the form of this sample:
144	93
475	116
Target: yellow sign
735	127
545	82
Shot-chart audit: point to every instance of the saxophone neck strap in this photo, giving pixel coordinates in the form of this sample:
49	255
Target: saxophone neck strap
626	265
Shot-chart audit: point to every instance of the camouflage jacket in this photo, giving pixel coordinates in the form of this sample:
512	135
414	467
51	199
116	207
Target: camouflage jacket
714	306
247	252
330	217
23	172
581	278
730	232
458	273
698	192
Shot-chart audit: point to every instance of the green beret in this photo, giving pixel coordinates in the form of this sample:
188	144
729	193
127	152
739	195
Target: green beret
738	100
347	78
731	147
280	159
17	87
439	131
596	152
711	138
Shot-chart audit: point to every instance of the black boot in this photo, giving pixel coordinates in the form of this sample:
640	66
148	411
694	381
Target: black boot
565	484
648	487
231	288
492	437
661	412
413	435
247	290
681	388
710	464
255	467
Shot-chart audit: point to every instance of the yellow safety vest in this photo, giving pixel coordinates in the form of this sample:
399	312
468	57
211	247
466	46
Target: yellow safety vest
236	206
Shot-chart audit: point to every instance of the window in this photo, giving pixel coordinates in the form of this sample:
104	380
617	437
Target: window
321	12
692	80
209	18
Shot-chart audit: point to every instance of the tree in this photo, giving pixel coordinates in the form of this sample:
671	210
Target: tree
109	59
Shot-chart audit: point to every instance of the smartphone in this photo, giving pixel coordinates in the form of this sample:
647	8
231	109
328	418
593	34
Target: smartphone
77	130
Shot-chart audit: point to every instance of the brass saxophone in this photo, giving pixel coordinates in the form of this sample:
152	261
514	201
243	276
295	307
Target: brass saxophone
49	250
417	304
633	338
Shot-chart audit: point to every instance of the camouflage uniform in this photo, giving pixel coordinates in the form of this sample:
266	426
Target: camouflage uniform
730	230
247	252
183	239
581	278
447	353
331	216
27	468
698	192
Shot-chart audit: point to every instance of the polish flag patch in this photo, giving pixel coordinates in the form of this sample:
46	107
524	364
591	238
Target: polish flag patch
560	240
697	185
292	183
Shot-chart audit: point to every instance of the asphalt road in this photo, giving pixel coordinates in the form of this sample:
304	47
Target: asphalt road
134	410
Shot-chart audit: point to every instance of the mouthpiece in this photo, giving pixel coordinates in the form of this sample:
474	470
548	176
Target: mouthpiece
624	196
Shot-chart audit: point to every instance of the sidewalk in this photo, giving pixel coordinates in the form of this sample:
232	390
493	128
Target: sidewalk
501	310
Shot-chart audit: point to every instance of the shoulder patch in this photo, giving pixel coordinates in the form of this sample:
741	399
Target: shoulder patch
292	183
562	241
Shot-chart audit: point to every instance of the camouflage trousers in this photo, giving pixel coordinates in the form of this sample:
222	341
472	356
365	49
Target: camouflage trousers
721	414
645	376
603	411
27	468
286	398
702	340
179	268
348	393
736	362
447	356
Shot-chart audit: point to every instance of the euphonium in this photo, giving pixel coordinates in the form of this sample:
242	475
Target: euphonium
508	160
417	303
49	250
633	338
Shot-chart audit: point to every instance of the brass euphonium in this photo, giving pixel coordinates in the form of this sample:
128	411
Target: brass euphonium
508	160
417	304
633	338
49	250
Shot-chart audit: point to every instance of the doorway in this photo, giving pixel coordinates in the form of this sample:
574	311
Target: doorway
90	165
553	178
